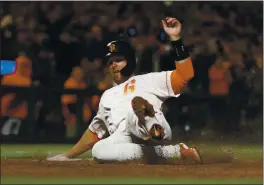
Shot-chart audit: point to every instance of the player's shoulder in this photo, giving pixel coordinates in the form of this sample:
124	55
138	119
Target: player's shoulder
107	93
151	75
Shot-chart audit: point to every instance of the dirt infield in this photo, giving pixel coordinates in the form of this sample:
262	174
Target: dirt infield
218	167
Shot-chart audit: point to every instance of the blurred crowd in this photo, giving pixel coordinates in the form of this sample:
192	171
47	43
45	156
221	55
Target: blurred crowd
64	44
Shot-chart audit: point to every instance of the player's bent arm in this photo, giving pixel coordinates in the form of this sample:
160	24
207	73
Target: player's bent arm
86	143
96	131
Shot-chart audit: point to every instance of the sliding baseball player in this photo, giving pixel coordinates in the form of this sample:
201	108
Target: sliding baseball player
129	120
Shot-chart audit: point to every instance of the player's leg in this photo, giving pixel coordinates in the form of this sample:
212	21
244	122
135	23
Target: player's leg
117	147
110	150
120	147
157	129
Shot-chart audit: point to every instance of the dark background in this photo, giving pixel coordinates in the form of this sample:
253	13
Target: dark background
58	36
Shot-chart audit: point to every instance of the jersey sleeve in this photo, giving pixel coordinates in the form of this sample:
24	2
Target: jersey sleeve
159	84
97	125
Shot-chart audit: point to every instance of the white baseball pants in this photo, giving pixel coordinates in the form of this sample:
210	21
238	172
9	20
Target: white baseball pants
120	146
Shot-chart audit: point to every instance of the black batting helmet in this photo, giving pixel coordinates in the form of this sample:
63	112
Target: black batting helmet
120	47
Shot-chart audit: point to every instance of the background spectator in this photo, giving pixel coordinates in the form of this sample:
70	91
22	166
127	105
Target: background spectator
224	39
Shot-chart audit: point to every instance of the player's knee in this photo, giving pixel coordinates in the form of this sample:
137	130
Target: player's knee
98	151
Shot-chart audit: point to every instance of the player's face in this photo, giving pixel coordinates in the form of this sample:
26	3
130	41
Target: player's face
115	65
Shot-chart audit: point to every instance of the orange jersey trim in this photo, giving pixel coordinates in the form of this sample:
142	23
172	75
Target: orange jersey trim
181	75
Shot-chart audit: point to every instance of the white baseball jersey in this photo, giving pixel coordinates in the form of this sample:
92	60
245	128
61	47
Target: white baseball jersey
116	102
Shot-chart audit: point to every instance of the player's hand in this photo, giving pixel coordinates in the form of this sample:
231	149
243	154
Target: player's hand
172	27
61	157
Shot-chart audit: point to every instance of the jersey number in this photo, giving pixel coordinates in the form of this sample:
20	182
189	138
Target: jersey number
130	87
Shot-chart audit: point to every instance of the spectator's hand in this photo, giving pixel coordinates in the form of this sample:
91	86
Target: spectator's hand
172	27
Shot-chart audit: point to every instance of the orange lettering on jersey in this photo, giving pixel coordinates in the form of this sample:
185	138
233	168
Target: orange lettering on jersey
125	89
130	86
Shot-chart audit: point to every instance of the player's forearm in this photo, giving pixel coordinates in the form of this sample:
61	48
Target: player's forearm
85	144
184	68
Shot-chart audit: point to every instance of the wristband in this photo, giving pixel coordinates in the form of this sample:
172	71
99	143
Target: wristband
180	51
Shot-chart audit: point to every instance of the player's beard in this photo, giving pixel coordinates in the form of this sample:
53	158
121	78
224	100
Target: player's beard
117	77
116	73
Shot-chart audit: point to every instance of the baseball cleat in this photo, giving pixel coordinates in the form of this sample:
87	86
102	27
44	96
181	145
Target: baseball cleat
192	153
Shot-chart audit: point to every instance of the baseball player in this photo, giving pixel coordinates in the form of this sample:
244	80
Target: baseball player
132	109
